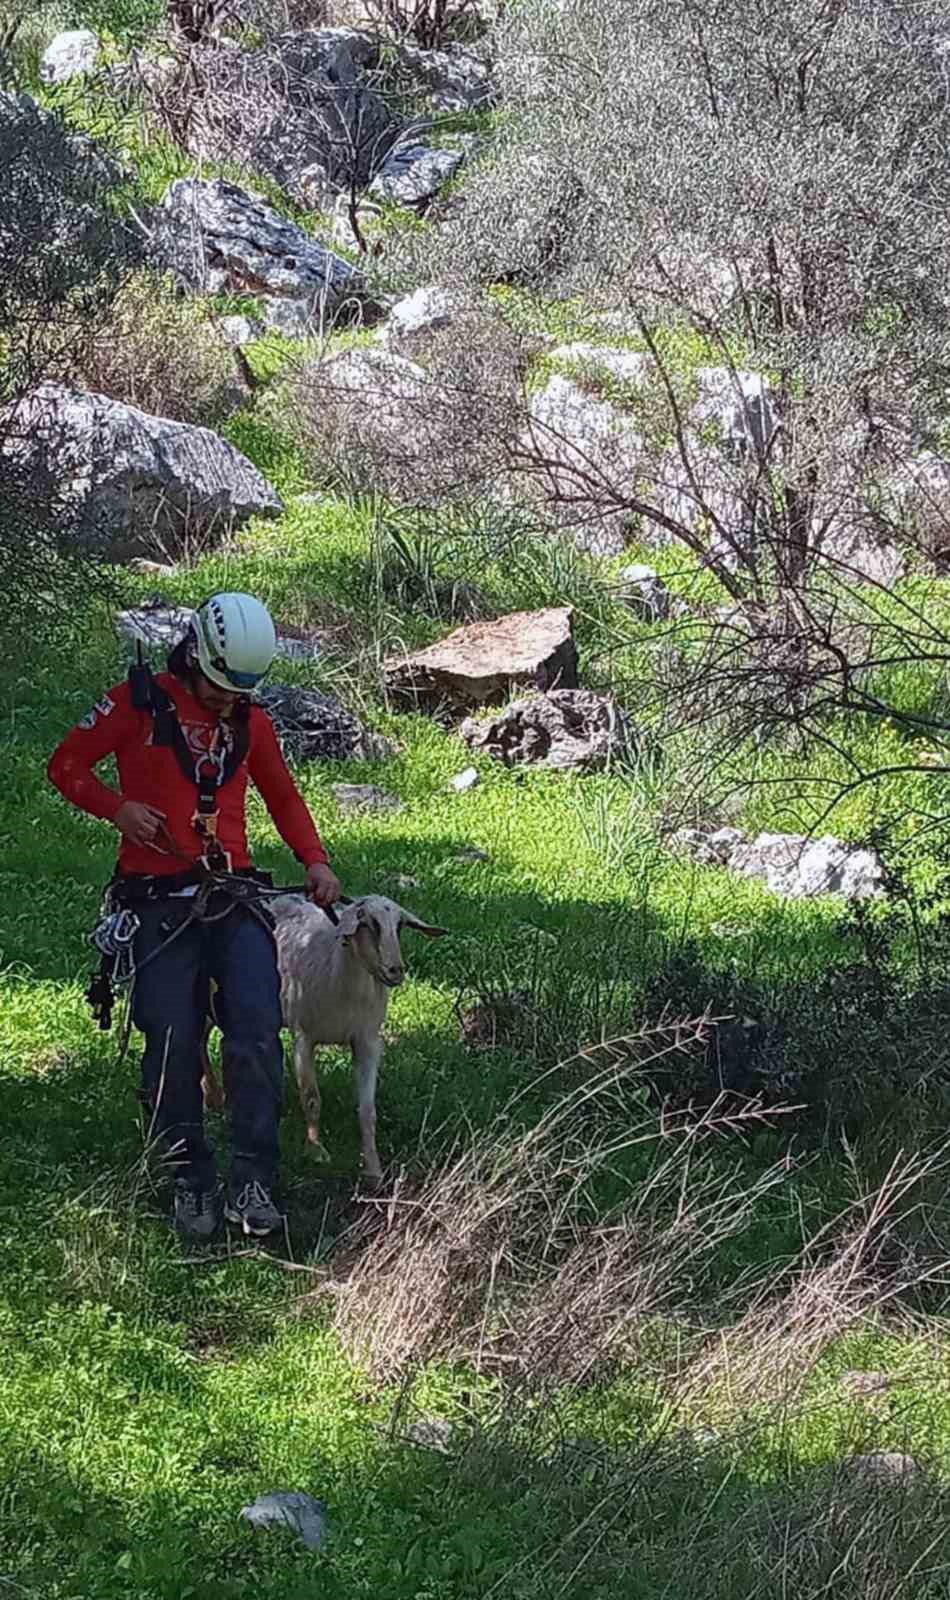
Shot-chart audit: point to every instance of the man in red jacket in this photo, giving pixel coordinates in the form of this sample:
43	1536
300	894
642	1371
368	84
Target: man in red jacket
185	744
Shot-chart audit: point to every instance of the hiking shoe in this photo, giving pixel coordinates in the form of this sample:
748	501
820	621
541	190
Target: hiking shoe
197	1211
253	1208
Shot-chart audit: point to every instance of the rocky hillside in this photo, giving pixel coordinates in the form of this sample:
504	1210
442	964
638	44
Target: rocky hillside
569	377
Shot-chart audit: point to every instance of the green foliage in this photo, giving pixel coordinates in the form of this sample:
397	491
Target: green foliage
145	1396
63	257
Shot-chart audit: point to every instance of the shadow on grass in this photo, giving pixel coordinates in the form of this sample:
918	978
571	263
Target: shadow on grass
504	1514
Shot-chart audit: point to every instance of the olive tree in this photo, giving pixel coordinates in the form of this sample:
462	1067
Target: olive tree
772	177
64	253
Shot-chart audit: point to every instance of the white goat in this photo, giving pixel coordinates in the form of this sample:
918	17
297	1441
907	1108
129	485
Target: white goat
335	987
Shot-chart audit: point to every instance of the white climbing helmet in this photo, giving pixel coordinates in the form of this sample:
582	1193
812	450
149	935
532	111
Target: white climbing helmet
235	640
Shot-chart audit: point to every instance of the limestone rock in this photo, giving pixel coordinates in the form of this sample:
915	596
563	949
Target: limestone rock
69	55
313	726
216	237
482	662
791	865
565	729
142	485
589	446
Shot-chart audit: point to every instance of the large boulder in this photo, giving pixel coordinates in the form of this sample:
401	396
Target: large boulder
69	55
216	237
313	726
141	485
483	662
566	729
580	450
299	110
791	865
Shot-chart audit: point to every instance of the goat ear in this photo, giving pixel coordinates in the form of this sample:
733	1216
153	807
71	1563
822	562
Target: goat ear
410	921
348	918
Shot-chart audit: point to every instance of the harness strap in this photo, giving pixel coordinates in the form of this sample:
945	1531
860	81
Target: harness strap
209	771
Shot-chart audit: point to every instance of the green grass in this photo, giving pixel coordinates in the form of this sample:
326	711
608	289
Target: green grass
146	1396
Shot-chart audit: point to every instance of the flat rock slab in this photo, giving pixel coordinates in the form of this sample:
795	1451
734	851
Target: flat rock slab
288	1508
483	662
567	729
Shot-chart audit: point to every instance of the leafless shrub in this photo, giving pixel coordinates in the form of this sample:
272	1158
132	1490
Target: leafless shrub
161	352
427	428
493	1259
431	24
195	20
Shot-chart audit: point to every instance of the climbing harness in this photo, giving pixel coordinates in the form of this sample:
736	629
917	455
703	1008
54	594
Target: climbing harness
216	896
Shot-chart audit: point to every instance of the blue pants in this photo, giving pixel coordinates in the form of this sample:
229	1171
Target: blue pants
170	1005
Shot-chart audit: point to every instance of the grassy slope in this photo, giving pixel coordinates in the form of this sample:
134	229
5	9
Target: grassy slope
146	1397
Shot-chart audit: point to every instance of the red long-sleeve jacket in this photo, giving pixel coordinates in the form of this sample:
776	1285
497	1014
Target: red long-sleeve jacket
151	774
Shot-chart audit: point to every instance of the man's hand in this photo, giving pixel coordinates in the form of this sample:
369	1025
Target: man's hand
139	823
323	885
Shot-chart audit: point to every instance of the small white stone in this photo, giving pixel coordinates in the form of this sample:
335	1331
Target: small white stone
69	55
463	781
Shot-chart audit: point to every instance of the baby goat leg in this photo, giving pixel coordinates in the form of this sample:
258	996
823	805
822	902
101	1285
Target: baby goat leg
309	1091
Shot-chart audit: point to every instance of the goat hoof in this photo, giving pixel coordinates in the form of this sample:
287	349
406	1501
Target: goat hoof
318	1149
213	1095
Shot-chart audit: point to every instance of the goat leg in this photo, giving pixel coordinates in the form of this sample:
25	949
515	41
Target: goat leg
212	1088
367	1055
309	1091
